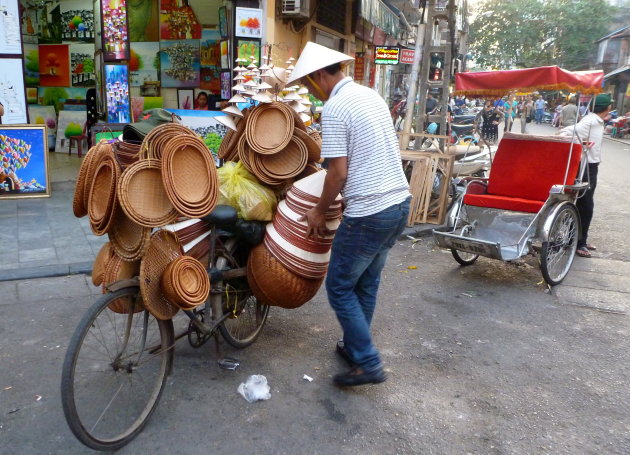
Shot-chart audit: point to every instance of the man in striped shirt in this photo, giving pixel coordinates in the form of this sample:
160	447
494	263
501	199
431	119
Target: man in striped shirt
363	159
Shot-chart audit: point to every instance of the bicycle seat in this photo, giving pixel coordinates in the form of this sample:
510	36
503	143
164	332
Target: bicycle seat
222	215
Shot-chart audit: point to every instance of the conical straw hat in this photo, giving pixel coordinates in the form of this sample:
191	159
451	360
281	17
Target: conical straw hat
226	120
315	57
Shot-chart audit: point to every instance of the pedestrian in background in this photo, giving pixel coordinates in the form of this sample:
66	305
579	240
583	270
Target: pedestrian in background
527	112
569	113
591	129
363	159
488	123
510	108
539	105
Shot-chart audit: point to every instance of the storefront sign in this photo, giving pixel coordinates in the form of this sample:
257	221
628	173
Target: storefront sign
386	55
359	67
406	56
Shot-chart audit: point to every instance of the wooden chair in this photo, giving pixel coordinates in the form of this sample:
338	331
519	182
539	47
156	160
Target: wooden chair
78	141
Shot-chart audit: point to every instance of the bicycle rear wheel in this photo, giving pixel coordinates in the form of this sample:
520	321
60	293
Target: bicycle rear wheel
115	370
247	315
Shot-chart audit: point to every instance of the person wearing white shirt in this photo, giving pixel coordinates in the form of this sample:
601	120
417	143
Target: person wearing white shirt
591	129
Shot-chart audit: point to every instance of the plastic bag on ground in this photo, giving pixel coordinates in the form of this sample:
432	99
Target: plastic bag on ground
240	189
255	388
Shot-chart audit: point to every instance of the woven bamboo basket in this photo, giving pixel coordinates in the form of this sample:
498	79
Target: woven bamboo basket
119	269
128	239
185	283
100	263
269	128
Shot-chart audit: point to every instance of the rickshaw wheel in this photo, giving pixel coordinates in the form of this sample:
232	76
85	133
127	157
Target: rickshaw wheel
557	254
463	257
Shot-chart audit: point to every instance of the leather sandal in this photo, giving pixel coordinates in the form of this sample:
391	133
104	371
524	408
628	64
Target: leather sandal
591	247
583	252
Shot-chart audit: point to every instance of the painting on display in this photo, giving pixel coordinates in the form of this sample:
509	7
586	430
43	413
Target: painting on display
77	21
178	22
31	65
139	104
49	23
248	23
29	24
186	98
210	61
247	49
12	94
54	65
144	64
115	39
226	85
204	123
10	40
179	63
24	158
31	95
44	115
82	65
57	96
225	55
144	16
69	123
117	94
223	22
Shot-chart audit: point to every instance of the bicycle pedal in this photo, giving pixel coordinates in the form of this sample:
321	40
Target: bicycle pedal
228	363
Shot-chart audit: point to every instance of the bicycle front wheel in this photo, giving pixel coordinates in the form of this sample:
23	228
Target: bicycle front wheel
115	370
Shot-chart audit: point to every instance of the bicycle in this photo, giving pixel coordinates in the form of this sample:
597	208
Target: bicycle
109	350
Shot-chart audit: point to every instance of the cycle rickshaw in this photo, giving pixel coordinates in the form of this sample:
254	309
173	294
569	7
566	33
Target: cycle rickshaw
527	204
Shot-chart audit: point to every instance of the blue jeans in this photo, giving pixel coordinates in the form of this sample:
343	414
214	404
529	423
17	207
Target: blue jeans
359	252
540	113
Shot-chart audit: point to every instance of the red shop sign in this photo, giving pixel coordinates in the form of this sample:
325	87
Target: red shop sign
406	55
359	67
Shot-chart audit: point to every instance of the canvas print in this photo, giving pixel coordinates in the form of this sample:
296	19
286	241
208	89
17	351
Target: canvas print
44	115
10	41
144	16
24	158
31	95
54	65
248	23
144	64
223	22
186	98
57	96
248	48
31	65
225	55
178	22
139	104
82	65
117	94
29	24
77	21
12	94
204	123
70	123
210	61
115	32
179	63
49	23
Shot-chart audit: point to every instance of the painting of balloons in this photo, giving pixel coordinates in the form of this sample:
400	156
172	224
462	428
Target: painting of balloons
77	21
23	161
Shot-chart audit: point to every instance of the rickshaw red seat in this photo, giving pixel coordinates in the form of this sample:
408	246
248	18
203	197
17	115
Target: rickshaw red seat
523	171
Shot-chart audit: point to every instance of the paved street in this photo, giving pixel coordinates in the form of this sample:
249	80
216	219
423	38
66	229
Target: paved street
481	360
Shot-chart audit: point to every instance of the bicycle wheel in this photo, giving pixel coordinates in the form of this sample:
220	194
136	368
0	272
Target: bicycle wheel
247	315
463	257
114	371
557	254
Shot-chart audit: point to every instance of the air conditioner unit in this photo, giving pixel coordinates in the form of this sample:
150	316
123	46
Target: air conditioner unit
296	8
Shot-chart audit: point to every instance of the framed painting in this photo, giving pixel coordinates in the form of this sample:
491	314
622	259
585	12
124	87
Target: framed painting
54	65
223	22
10	28
12	93
225	54
248	48
77	21
179	63
185	98
115	30
117	94
226	85
248	22
144	64
107	131
24	158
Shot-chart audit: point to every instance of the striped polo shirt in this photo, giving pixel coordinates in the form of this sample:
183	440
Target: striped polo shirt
356	123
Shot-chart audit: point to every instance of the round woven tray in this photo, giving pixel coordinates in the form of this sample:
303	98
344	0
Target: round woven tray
142	195
102	200
273	284
152	145
163	248
84	180
228	149
119	269
314	149
128	239
185	283
100	263
288	163
269	128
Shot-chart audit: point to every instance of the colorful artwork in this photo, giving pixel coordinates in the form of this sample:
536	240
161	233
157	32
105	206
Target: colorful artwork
210	61
144	64
223	22
77	21
204	123
54	65
178	22
139	104
226	85
12	94
186	98
82	65
31	95
29	24
144	18
225	55
10	39
44	115
248	48
23	162
57	96
179	63
117	94
49	23
70	123
248	22
31	65
115	39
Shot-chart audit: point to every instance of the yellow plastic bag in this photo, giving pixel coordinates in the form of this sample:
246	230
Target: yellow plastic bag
241	190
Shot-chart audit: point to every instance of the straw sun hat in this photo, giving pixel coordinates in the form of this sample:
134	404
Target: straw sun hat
315	57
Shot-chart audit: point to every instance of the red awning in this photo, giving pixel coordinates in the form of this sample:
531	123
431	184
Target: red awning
530	79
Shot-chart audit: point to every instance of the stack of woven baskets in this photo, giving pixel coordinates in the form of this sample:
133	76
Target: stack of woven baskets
126	190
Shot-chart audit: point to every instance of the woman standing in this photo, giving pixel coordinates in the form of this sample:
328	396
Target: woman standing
489	119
